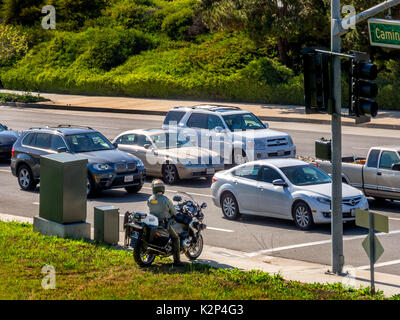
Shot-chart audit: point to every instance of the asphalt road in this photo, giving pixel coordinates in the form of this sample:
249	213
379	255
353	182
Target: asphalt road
250	234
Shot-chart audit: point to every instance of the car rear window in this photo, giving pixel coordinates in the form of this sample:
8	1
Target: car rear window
174	117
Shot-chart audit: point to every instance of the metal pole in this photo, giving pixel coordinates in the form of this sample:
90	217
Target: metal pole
337	219
372	251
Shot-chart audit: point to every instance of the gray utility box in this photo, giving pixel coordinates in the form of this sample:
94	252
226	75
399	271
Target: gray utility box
106	224
323	149
63	187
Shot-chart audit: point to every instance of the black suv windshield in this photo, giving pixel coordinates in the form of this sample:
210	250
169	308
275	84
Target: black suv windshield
306	175
88	142
243	122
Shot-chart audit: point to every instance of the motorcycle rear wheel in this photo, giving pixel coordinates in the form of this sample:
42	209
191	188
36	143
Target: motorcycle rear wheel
195	250
142	257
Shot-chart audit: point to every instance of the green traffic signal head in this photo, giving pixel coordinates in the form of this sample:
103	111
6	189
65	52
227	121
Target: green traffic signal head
367	70
369	108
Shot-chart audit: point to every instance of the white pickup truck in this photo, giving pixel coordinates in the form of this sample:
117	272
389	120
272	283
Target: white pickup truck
377	176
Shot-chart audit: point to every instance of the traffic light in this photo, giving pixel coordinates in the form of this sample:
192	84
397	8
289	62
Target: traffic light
363	89
317	84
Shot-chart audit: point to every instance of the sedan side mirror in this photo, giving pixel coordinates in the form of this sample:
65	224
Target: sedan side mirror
266	124
115	145
203	205
62	149
5	127
147	146
396	167
279	183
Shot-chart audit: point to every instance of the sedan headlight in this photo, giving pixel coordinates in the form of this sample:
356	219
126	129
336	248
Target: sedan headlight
101	166
290	140
324	200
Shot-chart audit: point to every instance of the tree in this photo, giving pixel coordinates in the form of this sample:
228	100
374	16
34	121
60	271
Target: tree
287	21
12	43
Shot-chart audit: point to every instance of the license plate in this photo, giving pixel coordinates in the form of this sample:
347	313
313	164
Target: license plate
353	212
210	171
128	179
281	153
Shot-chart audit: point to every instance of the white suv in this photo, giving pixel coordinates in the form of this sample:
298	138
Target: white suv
236	134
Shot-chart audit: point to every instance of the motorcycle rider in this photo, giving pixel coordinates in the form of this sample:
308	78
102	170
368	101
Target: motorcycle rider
164	210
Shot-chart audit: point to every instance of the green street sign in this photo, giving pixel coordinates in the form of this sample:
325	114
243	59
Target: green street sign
381	222
378	247
384	33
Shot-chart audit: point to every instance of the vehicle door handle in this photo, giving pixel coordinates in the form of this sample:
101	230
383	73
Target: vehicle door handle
261	188
235	181
379	173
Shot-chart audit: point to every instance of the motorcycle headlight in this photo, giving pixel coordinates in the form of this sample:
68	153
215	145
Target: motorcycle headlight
324	200
101	166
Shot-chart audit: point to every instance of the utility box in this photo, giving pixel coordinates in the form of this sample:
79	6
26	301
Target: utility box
63	188
106	224
323	149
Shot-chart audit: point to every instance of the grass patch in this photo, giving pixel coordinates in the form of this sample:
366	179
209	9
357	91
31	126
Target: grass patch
90	271
27	98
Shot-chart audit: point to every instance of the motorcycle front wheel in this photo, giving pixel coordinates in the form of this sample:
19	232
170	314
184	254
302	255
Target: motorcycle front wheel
142	257
195	249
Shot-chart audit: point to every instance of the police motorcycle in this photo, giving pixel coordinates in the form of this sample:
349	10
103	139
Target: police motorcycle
149	240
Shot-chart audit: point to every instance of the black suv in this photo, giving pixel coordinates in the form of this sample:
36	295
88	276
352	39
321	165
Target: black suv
7	139
108	167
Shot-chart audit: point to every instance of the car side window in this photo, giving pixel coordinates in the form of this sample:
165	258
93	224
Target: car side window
269	175
127	139
214	121
388	158
373	159
173	117
198	120
42	140
142	140
57	142
29	139
248	172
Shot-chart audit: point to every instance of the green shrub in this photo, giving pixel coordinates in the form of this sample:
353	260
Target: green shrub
177	24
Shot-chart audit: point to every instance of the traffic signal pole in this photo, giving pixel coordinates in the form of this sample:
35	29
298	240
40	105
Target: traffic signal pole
336	202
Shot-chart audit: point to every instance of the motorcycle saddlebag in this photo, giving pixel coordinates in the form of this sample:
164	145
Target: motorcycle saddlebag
159	236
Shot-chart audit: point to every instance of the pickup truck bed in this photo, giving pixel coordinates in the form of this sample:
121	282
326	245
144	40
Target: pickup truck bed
377	176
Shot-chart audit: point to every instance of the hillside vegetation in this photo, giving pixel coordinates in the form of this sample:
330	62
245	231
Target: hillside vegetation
235	50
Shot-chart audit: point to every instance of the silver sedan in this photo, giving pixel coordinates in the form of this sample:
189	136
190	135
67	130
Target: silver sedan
168	155
282	188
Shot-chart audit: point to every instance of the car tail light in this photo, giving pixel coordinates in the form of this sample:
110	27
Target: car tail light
316	164
214	179
12	152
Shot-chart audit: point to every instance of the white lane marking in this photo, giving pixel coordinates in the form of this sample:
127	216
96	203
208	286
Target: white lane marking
36	203
315	243
191	193
377	265
219	229
8	171
394	219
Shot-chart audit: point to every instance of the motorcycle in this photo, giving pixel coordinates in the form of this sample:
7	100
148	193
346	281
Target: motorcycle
148	239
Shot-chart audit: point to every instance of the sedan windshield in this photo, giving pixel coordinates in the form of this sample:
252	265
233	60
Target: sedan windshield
171	141
243	122
88	142
305	175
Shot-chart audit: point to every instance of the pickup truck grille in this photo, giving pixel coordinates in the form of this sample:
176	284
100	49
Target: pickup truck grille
352	201
277	142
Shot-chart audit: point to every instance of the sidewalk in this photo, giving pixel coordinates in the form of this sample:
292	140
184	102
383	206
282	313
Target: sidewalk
384	120
295	270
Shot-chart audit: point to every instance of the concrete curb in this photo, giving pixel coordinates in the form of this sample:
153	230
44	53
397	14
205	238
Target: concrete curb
292	270
163	113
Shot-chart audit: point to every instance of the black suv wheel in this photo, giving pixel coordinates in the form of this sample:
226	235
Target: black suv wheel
25	178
